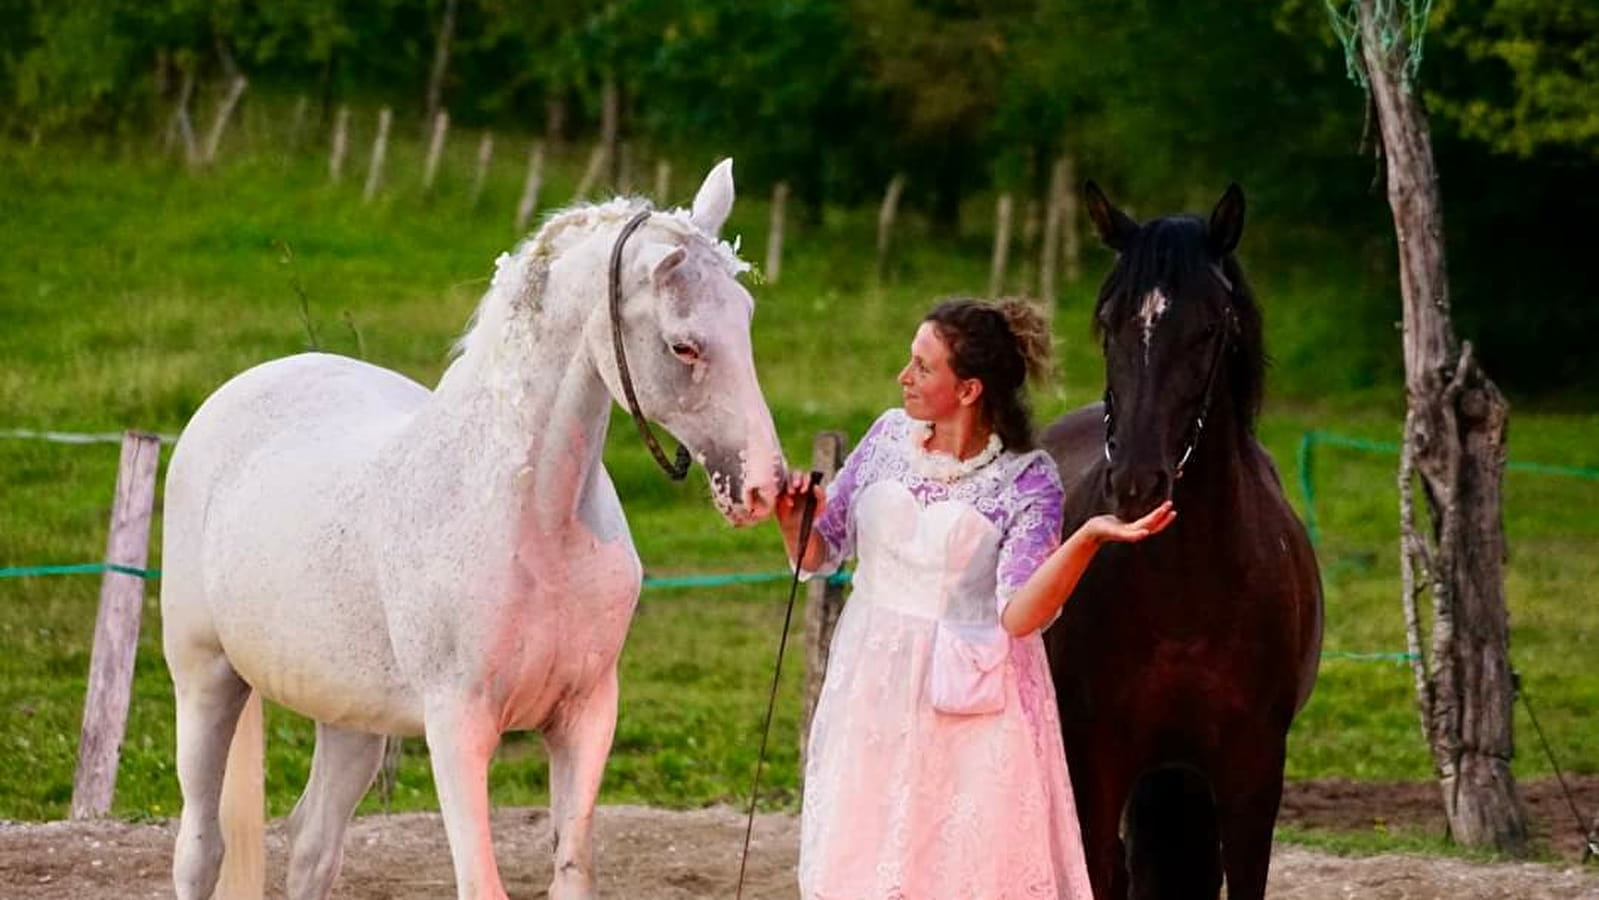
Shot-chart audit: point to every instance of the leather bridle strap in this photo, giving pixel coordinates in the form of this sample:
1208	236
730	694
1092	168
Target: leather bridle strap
676	470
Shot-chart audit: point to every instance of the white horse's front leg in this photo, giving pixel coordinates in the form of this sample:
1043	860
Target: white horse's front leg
579	744
461	739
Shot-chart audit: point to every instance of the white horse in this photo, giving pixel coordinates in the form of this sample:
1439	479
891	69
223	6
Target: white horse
453	563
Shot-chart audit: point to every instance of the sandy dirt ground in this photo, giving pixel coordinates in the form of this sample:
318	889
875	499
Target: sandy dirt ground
653	853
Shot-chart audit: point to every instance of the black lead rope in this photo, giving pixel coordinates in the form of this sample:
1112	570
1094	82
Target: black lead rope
782	645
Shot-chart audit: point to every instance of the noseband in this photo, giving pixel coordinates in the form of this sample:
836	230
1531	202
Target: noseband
676	470
1198	427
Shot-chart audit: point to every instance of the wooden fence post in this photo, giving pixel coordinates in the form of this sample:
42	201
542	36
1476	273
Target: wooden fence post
341	143
885	223
296	125
441	127
1002	218
224	115
485	154
1049	252
774	235
824	600
1072	243
663	181
530	188
116	628
380	149
591	172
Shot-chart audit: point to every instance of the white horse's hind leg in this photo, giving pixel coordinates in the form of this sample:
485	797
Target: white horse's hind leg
209	697
342	768
578	745
461	740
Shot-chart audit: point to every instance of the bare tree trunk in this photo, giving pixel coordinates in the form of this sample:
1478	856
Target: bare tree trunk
1455	439
441	63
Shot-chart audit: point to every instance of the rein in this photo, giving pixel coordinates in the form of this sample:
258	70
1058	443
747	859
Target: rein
676	470
1210	390
771	701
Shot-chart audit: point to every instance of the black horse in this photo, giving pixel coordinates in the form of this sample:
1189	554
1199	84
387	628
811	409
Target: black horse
1181	661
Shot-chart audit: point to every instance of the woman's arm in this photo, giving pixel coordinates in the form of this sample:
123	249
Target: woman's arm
1046	591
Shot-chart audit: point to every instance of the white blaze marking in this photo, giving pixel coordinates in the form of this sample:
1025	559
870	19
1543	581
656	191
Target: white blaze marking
1154	307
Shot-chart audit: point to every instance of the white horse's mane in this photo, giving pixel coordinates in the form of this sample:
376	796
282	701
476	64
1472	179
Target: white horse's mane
520	275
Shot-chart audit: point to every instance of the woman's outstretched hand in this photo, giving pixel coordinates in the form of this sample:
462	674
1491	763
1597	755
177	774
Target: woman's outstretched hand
1109	529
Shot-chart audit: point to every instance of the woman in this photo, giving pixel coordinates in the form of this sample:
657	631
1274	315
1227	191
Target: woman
935	767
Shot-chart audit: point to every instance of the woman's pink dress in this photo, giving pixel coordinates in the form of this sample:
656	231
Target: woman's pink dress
902	798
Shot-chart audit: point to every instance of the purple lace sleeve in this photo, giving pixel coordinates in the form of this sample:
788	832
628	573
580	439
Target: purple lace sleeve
1034	531
837	524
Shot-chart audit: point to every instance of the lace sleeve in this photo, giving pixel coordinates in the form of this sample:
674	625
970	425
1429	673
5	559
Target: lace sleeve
837	524
1034	530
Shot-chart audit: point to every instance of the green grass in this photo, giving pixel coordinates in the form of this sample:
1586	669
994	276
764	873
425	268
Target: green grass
130	289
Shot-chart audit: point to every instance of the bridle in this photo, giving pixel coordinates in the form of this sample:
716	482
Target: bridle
677	469
1223	343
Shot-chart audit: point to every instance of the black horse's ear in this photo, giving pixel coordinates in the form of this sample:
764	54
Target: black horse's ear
1226	223
1115	228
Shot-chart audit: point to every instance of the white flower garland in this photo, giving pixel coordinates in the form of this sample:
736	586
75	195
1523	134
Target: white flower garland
939	466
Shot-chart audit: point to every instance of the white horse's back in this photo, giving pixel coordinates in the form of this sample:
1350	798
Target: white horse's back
260	554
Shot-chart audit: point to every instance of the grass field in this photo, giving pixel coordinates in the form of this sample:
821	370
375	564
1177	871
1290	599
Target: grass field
129	289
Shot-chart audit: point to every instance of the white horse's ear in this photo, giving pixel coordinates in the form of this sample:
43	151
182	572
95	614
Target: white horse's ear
660	260
715	198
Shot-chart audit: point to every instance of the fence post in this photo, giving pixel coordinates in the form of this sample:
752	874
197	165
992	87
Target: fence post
1071	238
1050	250
441	127
663	180
996	269
224	114
341	143
530	188
116	628
380	149
885	223
485	155
824	600
774	235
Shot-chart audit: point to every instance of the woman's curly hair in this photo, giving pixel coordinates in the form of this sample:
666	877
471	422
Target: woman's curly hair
1001	343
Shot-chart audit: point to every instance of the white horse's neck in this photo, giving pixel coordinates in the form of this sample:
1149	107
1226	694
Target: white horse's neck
523	405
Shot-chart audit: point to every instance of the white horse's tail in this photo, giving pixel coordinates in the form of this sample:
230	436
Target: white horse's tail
244	810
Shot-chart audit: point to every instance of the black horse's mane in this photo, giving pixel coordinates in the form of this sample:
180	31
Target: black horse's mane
1171	253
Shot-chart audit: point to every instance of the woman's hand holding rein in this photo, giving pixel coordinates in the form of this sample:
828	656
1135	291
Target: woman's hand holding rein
788	512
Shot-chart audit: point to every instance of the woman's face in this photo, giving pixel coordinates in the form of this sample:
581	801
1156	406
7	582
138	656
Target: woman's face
932	391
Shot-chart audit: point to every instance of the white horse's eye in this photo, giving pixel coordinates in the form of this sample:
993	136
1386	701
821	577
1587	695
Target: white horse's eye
686	352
